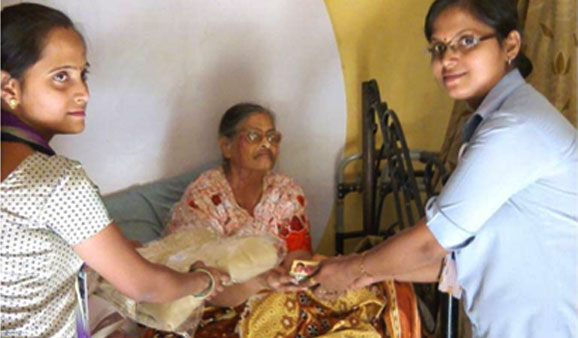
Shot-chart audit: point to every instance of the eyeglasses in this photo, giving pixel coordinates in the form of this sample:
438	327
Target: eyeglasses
256	137
463	44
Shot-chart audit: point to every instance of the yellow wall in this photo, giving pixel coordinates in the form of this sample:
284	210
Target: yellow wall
384	40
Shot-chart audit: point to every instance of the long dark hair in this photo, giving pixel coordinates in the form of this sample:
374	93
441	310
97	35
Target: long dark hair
501	15
24	30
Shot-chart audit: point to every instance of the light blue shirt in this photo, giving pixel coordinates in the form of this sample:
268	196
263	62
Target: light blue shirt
509	212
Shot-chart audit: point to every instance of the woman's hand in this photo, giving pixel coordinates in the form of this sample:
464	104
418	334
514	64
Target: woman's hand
279	279
336	275
276	279
362	281
212	285
327	296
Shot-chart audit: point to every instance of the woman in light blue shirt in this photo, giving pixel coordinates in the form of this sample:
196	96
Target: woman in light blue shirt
509	213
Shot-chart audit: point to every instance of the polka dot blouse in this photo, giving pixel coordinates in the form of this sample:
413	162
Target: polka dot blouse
47	205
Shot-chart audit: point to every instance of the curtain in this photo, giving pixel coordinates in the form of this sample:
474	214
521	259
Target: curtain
549	32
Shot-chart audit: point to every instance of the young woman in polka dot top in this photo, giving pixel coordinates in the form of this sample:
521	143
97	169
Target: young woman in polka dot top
52	217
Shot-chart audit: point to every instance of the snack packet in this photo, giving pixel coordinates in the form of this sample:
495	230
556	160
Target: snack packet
301	269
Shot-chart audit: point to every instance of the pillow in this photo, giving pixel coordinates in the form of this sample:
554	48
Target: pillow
141	212
134	215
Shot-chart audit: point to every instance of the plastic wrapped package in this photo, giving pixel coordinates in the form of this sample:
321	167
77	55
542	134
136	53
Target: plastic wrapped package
242	256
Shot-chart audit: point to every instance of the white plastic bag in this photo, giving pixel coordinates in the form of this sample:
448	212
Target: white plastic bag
241	256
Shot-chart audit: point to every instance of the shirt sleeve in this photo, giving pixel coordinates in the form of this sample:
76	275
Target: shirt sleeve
75	210
504	156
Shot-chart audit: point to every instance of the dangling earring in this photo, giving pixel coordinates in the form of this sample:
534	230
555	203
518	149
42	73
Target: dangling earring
509	62
13	103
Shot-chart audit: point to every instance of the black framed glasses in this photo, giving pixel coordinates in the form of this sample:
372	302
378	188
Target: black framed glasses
256	137
463	44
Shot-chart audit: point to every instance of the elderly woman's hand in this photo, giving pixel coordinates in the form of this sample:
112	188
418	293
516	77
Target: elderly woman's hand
279	279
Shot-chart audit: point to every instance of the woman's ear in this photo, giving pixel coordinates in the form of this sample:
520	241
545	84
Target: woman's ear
10	92
5	78
512	45
226	145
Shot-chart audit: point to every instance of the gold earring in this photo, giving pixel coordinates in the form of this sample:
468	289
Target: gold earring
13	103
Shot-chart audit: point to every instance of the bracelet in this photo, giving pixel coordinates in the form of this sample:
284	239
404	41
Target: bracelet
209	289
362	265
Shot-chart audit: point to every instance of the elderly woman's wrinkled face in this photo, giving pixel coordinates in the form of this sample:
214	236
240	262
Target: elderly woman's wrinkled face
255	146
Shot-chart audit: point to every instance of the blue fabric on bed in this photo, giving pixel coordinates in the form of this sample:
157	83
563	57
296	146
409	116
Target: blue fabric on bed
141	212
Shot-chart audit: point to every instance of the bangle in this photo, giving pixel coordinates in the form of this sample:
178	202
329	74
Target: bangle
209	289
362	265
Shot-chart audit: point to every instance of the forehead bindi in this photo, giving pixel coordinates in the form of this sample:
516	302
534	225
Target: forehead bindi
455	21
63	48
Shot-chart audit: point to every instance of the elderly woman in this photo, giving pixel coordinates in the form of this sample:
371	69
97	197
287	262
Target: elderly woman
245	195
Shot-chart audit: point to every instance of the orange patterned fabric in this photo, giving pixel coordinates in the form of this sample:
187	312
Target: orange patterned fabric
387	309
401	315
301	314
209	202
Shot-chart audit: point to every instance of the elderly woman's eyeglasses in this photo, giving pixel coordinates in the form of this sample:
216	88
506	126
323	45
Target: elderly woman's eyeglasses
463	44
255	137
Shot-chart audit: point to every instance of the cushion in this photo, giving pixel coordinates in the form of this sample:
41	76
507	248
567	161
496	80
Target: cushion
142	211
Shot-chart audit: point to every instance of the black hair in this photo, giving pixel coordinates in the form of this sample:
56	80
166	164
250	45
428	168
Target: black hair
239	113
501	15
24	30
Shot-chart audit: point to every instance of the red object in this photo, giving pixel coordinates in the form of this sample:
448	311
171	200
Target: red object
299	241
193	205
216	199
296	224
283	231
301	200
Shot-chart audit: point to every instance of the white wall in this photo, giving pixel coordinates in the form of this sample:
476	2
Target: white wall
163	73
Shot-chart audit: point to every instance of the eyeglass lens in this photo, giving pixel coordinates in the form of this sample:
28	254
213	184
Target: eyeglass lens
272	137
463	44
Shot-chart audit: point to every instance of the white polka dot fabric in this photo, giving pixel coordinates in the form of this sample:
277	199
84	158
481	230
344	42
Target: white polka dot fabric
47	205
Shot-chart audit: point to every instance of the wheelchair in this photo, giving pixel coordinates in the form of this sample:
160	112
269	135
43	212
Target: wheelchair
388	173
